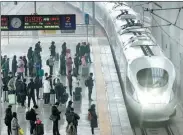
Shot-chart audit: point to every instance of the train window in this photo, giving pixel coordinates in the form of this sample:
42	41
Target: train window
152	77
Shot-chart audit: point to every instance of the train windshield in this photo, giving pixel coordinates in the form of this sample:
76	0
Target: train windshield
152	77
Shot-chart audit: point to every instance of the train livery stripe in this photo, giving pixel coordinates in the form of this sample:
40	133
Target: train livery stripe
143	50
150	51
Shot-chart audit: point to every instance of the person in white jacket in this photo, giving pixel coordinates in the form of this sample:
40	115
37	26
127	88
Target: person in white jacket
46	90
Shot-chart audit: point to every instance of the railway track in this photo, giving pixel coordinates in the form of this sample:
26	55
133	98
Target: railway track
167	130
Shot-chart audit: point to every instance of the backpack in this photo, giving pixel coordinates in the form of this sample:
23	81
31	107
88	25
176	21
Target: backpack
70	117
89	116
86	83
28	115
6	121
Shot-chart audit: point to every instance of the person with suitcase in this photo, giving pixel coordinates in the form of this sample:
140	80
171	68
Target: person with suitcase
39	129
55	117
31	116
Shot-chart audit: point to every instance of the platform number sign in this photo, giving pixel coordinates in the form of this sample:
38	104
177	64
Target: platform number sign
86	19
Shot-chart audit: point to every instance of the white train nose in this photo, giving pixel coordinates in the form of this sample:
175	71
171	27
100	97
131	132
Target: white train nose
157	112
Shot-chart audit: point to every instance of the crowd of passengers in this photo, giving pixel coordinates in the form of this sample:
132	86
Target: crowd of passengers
31	66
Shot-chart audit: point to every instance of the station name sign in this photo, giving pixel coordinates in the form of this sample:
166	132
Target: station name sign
38	22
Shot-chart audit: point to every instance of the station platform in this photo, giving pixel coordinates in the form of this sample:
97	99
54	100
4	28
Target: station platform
112	115
107	95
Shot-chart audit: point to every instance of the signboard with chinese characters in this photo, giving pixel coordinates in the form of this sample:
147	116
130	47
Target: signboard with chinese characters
68	22
38	22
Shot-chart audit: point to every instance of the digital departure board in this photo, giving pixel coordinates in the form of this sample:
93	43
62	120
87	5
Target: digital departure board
38	22
4	22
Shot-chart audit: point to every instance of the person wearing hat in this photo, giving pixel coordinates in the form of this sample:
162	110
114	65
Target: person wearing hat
92	117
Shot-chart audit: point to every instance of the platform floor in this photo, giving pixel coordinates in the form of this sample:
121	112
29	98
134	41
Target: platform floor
113	119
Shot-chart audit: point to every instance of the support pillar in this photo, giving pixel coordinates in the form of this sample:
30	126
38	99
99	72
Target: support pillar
93	11
35	33
83	11
35	7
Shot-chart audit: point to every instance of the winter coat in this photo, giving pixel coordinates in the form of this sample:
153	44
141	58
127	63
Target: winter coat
87	49
25	62
82	50
78	49
19	86
20	65
69	64
33	115
93	121
14	126
37	83
14	65
9	118
11	84
90	82
30	54
31	88
46	86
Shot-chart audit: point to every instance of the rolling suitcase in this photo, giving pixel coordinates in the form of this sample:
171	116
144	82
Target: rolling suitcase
85	70
5	96
78	90
77	97
39	130
12	97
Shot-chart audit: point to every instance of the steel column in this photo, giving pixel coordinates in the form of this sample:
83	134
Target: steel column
35	7
83	10
93	11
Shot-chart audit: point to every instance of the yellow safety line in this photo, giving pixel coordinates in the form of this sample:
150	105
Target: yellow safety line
102	101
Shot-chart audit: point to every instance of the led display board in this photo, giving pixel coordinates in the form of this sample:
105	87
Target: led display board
38	22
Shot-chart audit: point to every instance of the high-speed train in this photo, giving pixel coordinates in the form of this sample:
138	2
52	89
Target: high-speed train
150	75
